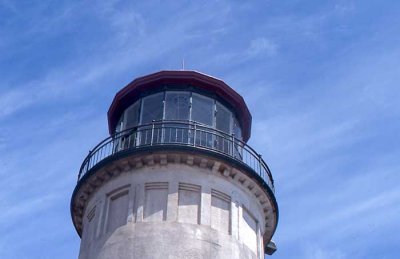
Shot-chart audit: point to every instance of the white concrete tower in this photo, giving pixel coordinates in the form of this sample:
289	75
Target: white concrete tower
175	179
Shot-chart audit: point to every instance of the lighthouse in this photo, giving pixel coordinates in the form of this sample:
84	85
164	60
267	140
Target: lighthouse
176	177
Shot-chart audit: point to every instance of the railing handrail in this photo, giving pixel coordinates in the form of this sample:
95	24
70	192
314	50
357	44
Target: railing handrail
197	128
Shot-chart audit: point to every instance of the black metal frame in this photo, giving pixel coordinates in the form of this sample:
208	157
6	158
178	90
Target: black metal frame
170	134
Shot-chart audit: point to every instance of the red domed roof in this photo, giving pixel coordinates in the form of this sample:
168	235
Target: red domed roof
126	96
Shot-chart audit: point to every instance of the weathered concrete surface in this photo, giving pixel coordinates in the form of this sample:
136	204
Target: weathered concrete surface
175	210
171	240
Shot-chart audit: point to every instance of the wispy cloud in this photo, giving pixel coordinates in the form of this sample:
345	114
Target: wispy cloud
320	81
13	101
18	210
262	46
313	252
132	44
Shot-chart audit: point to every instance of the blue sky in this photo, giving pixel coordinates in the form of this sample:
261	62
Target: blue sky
321	79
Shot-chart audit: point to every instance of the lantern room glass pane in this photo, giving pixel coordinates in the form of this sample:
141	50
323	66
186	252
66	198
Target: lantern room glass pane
238	147
132	115
223	123
119	126
202	109
152	108
177	105
223	119
237	130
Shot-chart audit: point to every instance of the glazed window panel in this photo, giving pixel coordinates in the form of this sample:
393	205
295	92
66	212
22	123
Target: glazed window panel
177	105
120	123
132	115
202	109
118	129
223	123
152	108
238	147
236	129
223	119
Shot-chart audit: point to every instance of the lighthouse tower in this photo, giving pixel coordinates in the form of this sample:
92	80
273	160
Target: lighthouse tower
175	178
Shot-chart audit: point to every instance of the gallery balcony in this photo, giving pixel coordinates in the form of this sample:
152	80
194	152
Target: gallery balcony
178	135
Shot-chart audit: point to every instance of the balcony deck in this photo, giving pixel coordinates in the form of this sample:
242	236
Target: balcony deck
179	135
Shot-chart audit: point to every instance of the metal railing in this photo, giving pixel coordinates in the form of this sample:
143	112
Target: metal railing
178	133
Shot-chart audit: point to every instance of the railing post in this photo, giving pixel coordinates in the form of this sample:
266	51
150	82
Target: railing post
233	146
88	161
194	135
259	164
113	142
152	134
272	184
